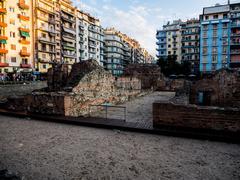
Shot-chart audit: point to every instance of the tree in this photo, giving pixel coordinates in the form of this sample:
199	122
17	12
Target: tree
170	66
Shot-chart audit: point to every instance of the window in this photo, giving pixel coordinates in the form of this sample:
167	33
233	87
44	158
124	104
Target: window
12	34
12	21
215	17
205	34
214	59
206	17
205	50
44	66
215	26
13	47
225	16
13	59
11	9
214	50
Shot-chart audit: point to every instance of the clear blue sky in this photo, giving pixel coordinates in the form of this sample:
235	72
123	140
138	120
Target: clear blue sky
141	18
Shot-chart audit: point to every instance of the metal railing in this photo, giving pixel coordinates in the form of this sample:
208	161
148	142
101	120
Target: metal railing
108	112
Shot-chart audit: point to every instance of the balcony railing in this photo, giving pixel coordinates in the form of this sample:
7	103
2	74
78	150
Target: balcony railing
24	53
22	4
24	29
3	51
2	24
25	65
3	64
47	40
235	52
236	24
235	43
3	37
3	10
25	42
24	18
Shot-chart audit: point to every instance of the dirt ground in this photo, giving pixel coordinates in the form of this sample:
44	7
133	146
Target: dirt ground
40	150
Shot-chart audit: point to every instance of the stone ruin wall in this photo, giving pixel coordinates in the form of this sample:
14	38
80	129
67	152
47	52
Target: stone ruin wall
93	87
224	88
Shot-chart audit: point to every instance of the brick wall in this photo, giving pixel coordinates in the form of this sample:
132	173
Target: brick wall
192	116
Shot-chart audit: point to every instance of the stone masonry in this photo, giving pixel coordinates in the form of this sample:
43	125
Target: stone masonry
88	84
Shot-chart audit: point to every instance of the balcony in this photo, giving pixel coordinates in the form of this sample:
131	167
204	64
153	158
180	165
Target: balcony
235	52
2	64
3	51
47	41
24	53
25	65
67	18
25	42
3	10
235	34
69	30
235	24
2	24
2	37
24	29
235	43
68	54
24	18
22	4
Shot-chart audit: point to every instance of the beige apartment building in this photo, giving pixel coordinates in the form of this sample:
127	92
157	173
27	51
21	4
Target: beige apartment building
45	34
16	50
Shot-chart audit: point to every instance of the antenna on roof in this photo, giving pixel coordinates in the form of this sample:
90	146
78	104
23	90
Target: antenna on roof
228	2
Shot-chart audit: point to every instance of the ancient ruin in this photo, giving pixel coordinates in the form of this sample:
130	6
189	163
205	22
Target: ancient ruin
211	103
88	84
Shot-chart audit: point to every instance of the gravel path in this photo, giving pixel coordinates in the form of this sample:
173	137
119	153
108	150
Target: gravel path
139	109
41	150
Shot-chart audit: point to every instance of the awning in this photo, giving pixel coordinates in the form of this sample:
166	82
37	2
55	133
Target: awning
3	41
25	34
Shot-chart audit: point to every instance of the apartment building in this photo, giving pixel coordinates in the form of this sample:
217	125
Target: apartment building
137	53
161	44
215	38
190	32
16	36
67	14
116	52
235	35
45	34
169	40
90	38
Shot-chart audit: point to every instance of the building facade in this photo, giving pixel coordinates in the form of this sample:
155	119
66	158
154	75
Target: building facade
68	32
90	38
215	38
16	50
115	50
190	31
235	35
45	34
169	41
161	44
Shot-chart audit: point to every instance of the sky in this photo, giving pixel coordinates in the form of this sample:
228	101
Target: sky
140	19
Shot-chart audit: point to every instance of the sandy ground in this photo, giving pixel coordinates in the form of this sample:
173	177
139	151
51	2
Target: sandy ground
40	150
139	109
